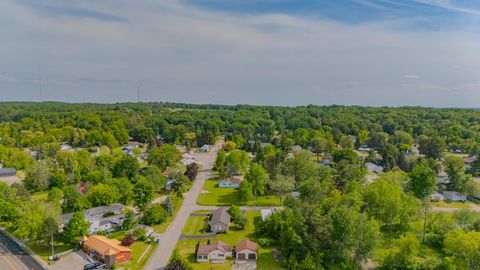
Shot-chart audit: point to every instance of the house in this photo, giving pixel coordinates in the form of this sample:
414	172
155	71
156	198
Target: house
169	185
102	218
216	252
296	147
109	251
8	172
229	183
205	148
295	194
453	196
66	147
246	250
373	167
326	162
265	213
9	176
470	160
364	148
220	220
436	197
188	159
134	144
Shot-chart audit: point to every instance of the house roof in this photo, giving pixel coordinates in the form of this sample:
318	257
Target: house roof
218	245
104	245
7	171
246	244
220	215
231	180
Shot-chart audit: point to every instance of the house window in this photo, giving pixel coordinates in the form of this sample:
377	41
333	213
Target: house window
220	255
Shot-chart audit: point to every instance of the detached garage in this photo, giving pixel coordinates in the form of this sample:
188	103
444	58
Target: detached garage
246	250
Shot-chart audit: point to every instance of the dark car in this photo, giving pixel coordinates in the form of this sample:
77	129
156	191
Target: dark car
92	266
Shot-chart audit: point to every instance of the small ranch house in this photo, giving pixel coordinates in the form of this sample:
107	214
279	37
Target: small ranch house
220	221
246	250
217	252
453	196
229	183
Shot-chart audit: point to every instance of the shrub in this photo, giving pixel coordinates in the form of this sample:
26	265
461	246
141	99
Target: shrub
128	241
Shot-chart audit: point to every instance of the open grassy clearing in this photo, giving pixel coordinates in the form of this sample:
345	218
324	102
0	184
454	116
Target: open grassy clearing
229	196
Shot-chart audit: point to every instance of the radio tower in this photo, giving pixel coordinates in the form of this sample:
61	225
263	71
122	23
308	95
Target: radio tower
40	83
138	94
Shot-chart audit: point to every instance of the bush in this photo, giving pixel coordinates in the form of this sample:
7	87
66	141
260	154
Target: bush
128	241
140	234
154	214
264	242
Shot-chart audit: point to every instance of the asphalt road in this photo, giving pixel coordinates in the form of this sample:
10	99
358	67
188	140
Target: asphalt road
13	257
168	239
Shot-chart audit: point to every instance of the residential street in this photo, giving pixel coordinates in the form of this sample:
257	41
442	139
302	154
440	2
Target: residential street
168	240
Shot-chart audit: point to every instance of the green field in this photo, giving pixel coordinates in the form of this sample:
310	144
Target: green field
229	196
235	235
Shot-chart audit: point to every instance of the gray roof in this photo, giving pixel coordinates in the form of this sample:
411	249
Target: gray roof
96	212
220	215
8	171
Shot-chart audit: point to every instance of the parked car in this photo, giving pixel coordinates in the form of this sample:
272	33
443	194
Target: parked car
93	266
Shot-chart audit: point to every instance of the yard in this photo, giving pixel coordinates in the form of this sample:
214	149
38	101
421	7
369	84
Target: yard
195	225
443	204
44	251
229	196
137	250
186	247
160	228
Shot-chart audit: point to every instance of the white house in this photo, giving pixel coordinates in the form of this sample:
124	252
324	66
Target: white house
373	167
265	213
218	251
205	148
436	197
102	218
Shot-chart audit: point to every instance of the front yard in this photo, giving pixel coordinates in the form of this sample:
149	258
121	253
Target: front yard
187	247
137	250
213	195
160	228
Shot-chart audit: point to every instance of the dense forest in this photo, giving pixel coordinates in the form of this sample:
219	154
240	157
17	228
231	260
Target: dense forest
345	215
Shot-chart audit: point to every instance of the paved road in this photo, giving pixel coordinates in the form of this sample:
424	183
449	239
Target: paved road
168	239
13	257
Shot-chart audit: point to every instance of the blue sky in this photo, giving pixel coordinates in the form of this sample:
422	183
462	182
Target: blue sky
277	52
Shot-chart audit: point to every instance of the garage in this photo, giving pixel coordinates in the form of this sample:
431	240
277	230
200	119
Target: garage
252	256
246	251
241	256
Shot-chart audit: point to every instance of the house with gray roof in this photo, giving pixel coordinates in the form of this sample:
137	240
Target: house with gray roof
220	220
103	218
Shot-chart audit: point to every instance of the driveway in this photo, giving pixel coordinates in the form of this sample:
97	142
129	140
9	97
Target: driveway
73	261
245	265
168	239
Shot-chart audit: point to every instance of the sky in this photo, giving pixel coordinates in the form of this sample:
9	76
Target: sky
269	52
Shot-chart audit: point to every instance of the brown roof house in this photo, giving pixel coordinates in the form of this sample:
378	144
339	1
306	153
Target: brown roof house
217	252
110	251
220	220
246	250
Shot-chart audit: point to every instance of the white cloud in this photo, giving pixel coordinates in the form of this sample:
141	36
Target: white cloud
411	76
181	53
446	4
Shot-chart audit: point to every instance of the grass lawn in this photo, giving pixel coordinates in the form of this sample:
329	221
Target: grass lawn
265	258
229	196
40	196
195	225
137	250
163	227
45	251
443	204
